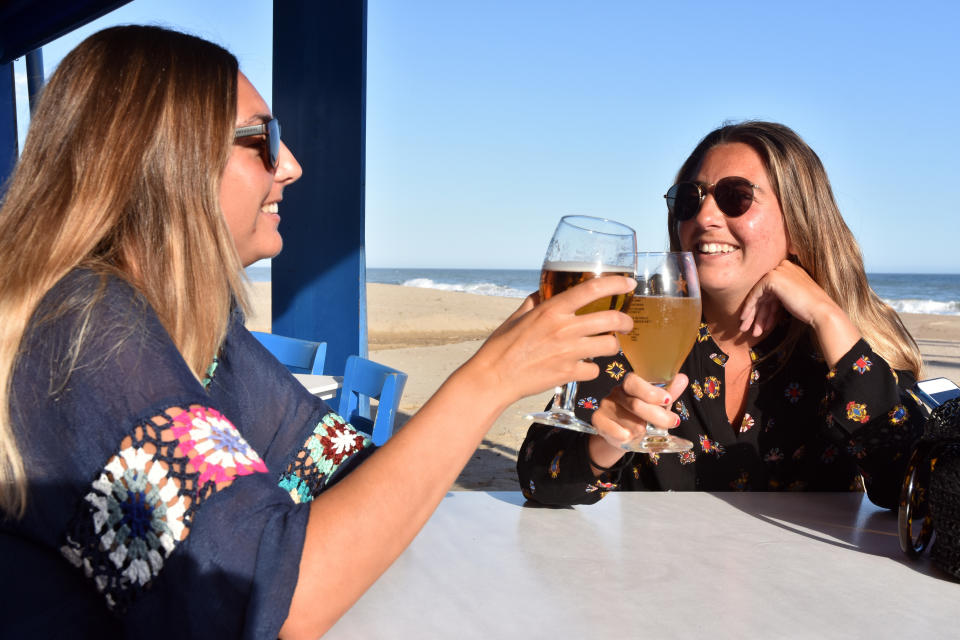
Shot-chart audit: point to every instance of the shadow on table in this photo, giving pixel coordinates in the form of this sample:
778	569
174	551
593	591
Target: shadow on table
846	520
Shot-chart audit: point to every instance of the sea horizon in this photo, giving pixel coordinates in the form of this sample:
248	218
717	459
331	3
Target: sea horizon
927	293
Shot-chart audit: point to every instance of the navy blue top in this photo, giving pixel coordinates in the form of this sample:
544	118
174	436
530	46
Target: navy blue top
157	507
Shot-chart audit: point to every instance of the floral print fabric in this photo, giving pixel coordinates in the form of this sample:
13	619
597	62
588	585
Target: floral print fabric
804	427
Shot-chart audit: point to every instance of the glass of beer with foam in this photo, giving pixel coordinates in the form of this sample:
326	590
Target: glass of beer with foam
665	308
583	247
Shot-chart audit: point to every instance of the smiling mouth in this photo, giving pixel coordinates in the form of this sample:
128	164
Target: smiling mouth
715	248
273	207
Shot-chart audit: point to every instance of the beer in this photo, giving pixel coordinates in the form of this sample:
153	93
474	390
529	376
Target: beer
557	277
664	329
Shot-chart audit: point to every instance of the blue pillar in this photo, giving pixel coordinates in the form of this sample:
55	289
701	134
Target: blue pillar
8	124
34	76
319	94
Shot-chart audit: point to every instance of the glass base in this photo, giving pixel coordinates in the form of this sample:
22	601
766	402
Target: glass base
658	443
561	418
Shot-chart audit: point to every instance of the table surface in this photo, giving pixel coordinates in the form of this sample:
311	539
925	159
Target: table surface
324	387
658	565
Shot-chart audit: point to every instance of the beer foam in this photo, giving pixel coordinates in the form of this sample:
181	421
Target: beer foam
584	267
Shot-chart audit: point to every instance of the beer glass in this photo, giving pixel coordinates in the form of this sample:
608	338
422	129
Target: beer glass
665	308
583	247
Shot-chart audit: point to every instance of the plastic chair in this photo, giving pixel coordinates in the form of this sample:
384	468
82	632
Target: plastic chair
299	356
362	380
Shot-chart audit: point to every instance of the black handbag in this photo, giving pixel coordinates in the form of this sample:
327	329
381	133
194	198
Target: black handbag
930	498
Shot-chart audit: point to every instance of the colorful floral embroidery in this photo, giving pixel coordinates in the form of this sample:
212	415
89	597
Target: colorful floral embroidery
697	389
636	473
142	504
862	365
588	403
754	376
616	370
555	464
857	412
898	415
591	488
211	371
606	486
654	458
774	455
709	446
711	386
754	356
213	444
831	374
687	457
800	452
719	358
793	392
747	423
702	332
741	482
332	443
681	409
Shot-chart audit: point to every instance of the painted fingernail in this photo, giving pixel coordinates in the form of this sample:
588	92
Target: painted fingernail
677	423
666	401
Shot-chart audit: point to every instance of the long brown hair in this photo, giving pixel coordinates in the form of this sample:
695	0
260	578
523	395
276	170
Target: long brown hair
120	173
824	245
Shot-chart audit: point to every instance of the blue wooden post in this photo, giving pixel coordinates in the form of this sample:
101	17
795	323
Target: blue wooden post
319	94
8	124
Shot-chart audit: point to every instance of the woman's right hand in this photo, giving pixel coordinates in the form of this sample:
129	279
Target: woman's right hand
624	414
545	344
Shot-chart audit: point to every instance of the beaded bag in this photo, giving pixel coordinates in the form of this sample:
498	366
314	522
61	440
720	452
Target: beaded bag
931	491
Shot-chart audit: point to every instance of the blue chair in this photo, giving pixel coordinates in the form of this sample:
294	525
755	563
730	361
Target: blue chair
299	356
362	380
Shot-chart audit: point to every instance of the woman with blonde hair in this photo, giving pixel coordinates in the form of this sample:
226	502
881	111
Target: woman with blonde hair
160	473
799	376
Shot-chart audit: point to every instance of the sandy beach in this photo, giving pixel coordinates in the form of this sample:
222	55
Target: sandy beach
428	333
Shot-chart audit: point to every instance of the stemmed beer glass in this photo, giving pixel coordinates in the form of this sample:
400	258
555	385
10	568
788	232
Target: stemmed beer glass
665	308
583	247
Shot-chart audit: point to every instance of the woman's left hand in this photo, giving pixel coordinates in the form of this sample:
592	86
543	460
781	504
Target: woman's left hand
792	288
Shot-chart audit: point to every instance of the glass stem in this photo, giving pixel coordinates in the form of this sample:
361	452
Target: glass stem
566	397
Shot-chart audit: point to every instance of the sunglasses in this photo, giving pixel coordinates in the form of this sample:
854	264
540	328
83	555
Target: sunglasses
733	196
270	145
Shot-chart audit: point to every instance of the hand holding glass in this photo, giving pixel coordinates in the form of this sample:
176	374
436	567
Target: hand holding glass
583	247
665	308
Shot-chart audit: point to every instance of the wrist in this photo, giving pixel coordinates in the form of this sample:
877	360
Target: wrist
602	455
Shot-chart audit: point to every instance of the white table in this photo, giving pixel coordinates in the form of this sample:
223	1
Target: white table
658	565
324	387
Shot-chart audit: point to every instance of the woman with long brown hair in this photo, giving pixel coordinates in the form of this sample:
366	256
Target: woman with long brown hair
160	473
799	377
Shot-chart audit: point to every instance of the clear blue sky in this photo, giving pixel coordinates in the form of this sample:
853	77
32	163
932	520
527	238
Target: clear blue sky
488	120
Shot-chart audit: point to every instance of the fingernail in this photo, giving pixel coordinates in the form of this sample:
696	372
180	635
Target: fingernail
677	423
666	401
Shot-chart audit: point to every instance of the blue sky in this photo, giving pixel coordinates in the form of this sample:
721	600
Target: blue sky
487	121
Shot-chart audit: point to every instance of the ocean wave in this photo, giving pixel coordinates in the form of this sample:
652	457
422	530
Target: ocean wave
478	288
935	307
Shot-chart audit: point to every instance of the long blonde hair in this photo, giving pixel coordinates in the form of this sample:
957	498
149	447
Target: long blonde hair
120	173
824	245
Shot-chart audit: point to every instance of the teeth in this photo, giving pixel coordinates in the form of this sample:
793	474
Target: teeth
270	208
716	247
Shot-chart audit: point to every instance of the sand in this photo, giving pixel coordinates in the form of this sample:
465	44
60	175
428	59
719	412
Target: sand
428	333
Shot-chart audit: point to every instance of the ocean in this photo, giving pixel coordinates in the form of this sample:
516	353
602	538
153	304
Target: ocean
908	293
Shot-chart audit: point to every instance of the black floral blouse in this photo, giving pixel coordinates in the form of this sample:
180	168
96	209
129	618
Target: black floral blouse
805	428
